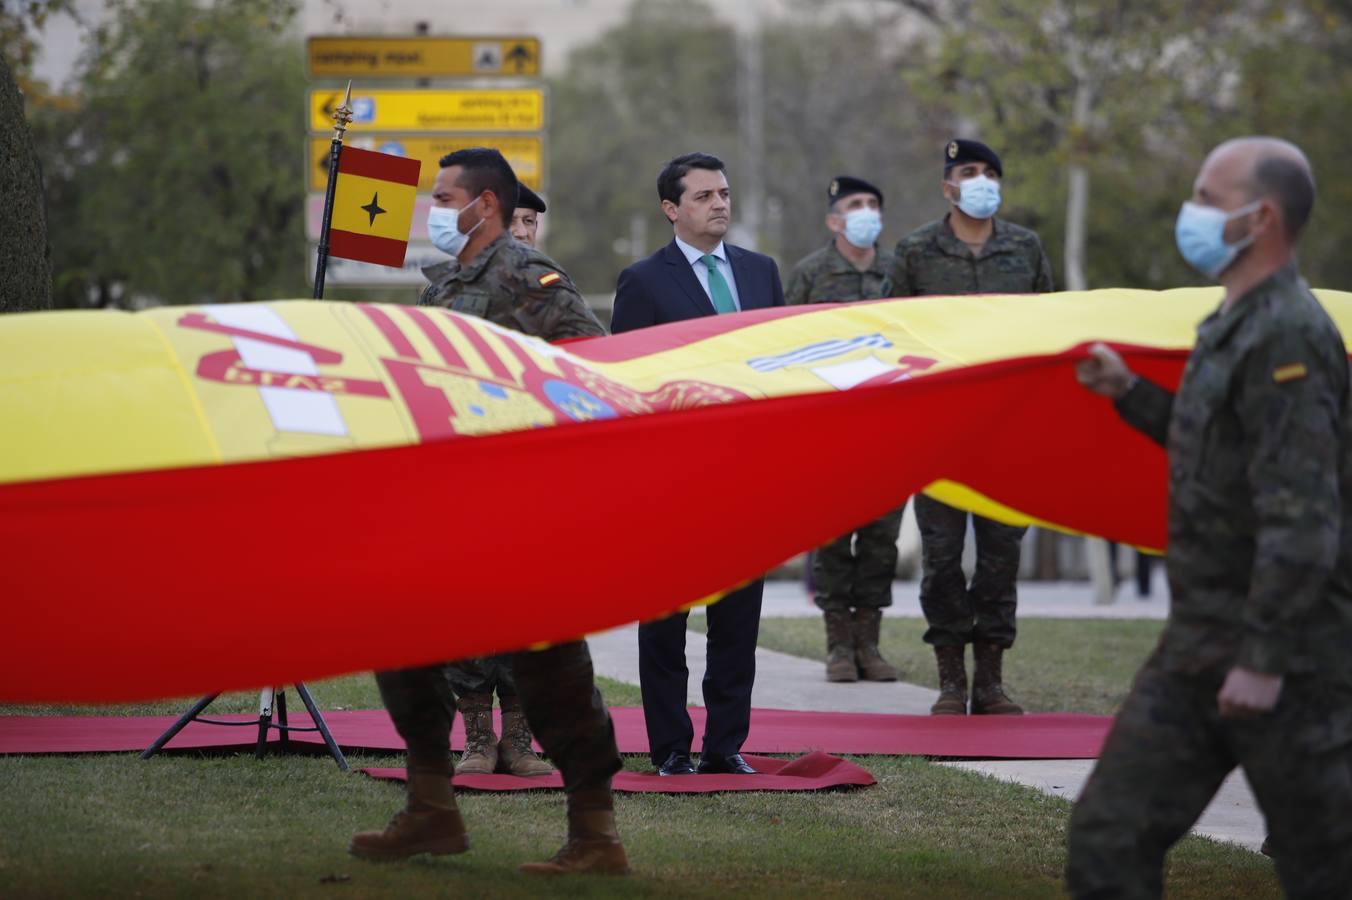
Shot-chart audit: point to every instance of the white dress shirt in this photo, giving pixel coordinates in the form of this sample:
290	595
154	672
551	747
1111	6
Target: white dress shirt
695	257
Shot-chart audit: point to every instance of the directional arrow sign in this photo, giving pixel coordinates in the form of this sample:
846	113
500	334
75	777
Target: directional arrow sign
490	110
525	154
422	57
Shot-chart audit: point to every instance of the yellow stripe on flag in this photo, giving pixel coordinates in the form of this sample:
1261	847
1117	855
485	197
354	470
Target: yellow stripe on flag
357	197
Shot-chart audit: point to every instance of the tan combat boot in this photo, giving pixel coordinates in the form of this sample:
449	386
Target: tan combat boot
867	632
988	692
481	744
515	754
840	665
428	823
952	681
593	843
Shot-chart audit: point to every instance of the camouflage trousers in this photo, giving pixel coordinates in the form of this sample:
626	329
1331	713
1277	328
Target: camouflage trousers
856	569
558	694
482	675
957	613
1168	753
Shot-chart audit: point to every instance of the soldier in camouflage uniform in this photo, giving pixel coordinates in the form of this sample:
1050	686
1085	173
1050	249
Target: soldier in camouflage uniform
969	251
852	575
475	680
1253	667
517	287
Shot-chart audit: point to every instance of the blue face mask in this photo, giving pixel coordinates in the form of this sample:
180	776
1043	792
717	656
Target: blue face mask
1200	235
978	197
862	227
443	227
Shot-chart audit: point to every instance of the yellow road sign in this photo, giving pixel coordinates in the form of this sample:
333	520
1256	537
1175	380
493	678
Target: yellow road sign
422	57
526	154
431	110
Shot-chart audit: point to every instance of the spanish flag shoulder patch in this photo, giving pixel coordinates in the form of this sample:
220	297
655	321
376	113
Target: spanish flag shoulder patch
1289	372
549	279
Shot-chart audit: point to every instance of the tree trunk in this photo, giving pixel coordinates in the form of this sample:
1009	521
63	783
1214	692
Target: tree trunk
26	274
1077	227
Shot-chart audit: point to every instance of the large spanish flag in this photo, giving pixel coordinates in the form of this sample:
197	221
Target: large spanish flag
218	497
373	206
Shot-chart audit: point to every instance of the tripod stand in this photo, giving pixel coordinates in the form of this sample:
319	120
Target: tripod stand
266	700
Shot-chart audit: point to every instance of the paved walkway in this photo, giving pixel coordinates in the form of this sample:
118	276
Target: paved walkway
1037	600
791	682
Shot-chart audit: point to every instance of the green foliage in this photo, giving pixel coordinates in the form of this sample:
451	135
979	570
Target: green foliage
1167	81
177	179
656	86
836	105
18	20
1296	82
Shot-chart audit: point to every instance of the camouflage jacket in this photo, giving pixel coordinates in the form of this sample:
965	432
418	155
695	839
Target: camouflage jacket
514	286
1260	488
931	261
826	276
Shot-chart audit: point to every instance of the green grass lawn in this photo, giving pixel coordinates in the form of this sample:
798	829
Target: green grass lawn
1056	665
232	826
348	692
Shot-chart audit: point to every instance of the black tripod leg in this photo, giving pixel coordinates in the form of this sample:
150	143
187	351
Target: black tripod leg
178	726
265	701
285	741
318	718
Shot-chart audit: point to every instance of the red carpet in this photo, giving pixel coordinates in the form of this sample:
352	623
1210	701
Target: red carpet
813	772
1051	736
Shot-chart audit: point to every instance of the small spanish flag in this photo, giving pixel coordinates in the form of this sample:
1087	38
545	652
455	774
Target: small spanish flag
373	206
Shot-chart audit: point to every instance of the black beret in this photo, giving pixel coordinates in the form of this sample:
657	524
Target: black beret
528	198
959	151
845	185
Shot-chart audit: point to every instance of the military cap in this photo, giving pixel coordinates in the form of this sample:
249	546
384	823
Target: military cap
845	185
960	151
527	198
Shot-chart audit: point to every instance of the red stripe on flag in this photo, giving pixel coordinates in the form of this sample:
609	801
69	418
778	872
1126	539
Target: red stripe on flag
369	164
437	337
398	340
367	248
495	363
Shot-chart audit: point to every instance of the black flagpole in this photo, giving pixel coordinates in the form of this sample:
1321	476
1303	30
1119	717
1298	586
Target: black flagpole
341	117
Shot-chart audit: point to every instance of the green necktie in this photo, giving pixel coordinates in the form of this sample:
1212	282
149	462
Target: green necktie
718	286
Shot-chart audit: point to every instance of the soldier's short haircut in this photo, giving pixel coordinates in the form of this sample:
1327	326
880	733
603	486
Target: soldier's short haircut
670	182
1291	185
485	169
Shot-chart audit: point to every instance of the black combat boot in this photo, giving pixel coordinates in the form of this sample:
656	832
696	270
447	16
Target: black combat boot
516	756
430	822
593	844
988	691
952	681
840	664
481	744
867	632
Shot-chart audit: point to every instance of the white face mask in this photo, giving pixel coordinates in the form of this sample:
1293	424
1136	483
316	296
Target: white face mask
978	197
862	227
443	227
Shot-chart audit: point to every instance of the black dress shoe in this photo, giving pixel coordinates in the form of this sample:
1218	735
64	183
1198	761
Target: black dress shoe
677	763
732	764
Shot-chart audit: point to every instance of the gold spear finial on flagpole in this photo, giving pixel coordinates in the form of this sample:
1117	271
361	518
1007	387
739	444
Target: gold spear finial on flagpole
342	115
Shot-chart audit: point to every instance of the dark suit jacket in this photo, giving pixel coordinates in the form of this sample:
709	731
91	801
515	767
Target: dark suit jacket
663	288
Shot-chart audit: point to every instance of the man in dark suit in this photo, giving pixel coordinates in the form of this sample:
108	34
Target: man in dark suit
696	275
